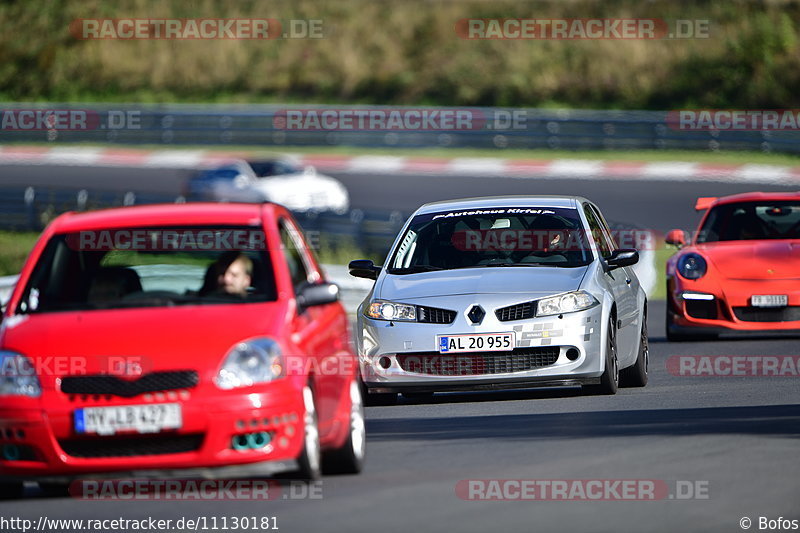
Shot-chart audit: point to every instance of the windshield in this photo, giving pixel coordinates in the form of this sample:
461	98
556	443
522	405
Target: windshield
272	168
492	237
150	267
751	221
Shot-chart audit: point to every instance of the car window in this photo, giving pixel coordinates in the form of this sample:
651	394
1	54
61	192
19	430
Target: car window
751	221
609	235
150	267
293	252
597	231
506	236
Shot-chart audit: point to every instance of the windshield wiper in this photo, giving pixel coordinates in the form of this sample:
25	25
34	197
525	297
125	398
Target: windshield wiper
414	269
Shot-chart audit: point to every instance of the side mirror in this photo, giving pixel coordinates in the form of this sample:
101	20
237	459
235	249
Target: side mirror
364	268
318	294
622	258
676	237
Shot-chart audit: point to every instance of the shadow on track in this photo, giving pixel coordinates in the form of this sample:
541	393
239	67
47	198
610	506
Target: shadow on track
777	420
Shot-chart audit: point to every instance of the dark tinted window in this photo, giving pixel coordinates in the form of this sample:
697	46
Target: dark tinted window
292	245
147	267
752	221
516	236
597	231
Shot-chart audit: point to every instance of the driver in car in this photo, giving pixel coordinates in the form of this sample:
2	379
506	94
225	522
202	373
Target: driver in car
231	273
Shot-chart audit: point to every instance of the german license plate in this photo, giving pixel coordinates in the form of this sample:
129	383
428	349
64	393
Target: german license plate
479	342
769	300
138	418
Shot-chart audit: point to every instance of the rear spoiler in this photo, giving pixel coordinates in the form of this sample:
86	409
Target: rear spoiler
704	203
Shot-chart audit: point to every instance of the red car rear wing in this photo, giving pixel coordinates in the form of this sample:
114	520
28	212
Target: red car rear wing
704	202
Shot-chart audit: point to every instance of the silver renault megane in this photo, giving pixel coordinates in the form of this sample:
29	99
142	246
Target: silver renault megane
502	292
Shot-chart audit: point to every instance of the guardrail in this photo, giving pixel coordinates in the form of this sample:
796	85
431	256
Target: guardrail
267	125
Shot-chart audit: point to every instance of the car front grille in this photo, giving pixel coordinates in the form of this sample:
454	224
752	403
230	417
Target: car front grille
434	315
115	386
474	364
516	312
131	446
767	314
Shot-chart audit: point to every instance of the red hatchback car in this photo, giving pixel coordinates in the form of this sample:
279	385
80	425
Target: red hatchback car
740	272
176	340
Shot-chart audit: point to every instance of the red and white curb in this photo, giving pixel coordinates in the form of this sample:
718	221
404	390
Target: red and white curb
460	166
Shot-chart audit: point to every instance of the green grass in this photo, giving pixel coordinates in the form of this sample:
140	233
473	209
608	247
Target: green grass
663	252
14	249
408	53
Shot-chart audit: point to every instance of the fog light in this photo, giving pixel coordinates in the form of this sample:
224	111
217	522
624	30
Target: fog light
385	362
239	443
573	354
258	440
11	452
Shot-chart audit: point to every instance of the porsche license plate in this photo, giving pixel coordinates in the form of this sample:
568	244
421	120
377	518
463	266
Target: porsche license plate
769	300
138	418
480	342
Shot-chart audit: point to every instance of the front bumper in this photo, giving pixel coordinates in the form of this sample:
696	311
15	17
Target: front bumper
385	346
729	310
45	436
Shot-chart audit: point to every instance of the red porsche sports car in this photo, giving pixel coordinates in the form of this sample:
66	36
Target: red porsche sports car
740	271
176	340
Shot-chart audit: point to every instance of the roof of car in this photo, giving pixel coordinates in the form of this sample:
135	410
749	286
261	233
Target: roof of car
200	213
487	202
757	197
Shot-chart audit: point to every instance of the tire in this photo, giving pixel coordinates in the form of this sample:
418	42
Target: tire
636	375
349	459
10	490
609	381
309	463
55	490
381	399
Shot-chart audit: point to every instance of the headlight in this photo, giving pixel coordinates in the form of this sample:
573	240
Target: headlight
565	303
17	376
692	266
251	362
383	310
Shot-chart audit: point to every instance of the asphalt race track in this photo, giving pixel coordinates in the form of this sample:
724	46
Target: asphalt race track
651	204
732	440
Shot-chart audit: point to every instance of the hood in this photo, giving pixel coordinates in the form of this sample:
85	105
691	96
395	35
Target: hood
497	280
169	338
754	260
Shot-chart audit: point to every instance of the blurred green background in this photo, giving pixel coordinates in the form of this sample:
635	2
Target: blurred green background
407	52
